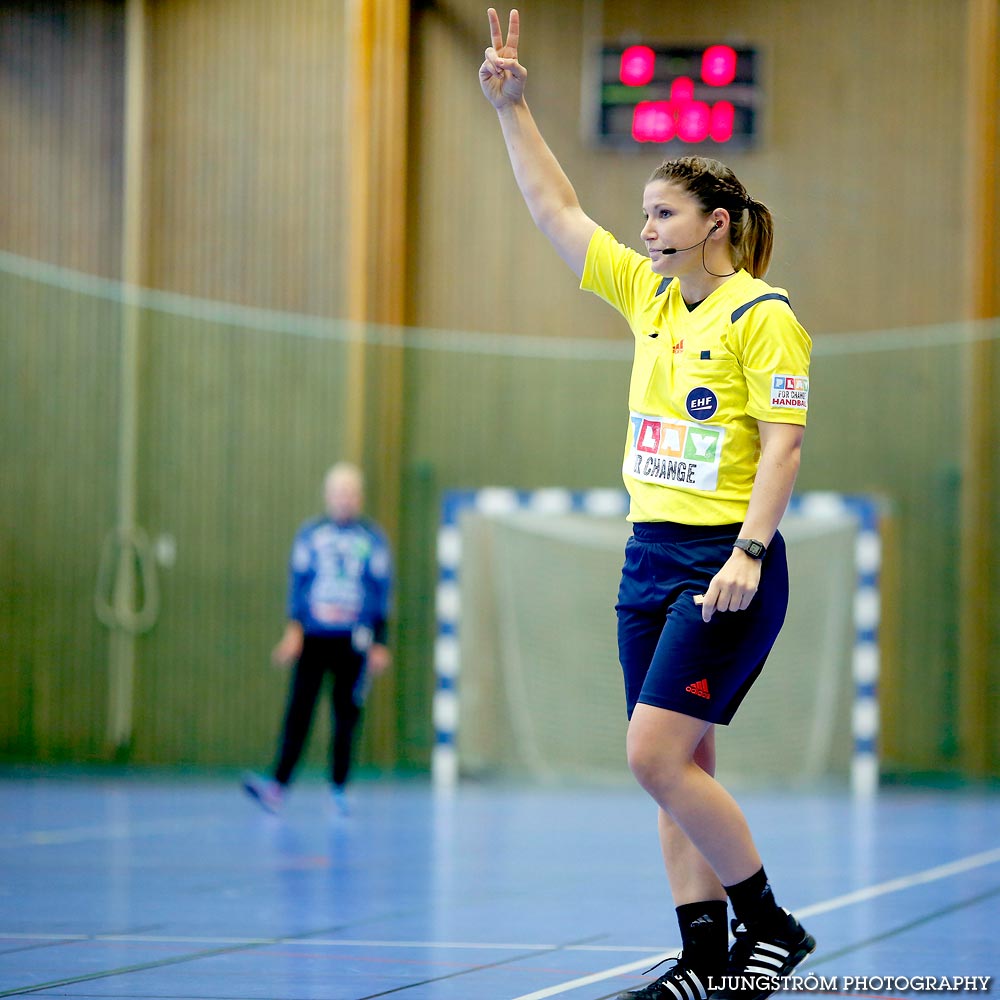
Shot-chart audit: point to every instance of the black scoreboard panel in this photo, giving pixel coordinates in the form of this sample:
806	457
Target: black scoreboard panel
678	96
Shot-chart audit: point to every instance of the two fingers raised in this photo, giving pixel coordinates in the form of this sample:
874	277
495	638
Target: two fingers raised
513	31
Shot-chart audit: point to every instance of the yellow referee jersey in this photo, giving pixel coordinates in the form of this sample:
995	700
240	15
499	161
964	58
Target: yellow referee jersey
700	382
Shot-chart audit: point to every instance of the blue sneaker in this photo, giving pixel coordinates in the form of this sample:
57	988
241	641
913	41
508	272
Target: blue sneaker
338	797
269	795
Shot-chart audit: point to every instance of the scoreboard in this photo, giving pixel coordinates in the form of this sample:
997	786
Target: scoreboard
693	96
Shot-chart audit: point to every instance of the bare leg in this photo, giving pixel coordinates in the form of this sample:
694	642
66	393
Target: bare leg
661	753
700	901
691	877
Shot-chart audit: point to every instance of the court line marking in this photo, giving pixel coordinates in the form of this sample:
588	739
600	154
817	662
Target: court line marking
925	918
936	873
970	863
226	949
104	831
510	960
325	942
973	861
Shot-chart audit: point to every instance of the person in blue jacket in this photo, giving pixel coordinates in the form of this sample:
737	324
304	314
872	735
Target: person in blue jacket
339	585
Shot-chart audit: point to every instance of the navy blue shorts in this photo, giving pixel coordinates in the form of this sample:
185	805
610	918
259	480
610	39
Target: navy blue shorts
669	656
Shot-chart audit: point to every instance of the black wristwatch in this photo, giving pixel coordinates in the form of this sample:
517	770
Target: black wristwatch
753	548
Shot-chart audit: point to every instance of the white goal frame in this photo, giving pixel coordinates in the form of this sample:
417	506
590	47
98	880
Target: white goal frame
865	659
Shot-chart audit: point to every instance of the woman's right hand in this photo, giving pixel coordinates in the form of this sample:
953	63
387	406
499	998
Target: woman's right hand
501	76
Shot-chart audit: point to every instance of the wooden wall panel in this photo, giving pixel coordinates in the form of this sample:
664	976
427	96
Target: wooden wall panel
246	151
60	174
859	160
58	404
229	470
60	104
993	280
246	146
979	655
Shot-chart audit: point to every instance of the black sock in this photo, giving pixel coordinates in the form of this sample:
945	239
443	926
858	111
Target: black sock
704	935
753	902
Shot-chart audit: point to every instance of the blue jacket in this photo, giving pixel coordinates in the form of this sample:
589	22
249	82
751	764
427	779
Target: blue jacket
340	578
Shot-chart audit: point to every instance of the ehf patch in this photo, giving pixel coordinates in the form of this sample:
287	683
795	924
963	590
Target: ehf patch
789	392
702	403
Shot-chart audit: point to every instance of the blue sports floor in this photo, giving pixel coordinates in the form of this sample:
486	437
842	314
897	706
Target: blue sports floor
183	889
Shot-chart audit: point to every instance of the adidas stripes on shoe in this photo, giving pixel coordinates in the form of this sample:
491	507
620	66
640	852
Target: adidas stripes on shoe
680	983
760	959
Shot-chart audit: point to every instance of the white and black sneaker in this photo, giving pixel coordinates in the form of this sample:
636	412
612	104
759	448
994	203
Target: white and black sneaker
680	983
760	959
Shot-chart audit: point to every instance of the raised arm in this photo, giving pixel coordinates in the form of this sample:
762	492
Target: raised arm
545	187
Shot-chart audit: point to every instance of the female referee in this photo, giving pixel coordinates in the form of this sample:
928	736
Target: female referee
717	400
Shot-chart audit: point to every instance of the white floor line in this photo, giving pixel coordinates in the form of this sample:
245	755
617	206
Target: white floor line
650	955
206	941
904	882
934	874
596	977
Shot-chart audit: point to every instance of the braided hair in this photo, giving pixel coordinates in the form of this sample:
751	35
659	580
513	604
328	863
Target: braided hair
714	185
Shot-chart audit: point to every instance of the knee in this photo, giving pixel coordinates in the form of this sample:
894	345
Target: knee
654	767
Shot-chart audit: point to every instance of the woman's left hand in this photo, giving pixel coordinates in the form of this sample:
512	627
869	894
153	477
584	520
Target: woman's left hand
733	587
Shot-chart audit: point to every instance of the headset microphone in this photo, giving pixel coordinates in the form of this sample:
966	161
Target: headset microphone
669	250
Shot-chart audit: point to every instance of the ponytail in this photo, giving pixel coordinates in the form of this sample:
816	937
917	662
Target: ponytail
753	239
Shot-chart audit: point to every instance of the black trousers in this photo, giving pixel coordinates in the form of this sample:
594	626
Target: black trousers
322	655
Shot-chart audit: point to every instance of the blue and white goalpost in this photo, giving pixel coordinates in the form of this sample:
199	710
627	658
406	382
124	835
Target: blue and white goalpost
614	503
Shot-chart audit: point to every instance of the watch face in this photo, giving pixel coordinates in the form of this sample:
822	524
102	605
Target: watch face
751	547
755	549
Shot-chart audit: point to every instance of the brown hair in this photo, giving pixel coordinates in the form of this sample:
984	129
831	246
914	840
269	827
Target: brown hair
714	185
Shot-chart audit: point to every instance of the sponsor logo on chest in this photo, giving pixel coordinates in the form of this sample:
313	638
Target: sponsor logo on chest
674	453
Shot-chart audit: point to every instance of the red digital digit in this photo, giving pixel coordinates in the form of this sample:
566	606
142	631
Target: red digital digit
721	127
693	121
718	65
637	65
682	89
653	121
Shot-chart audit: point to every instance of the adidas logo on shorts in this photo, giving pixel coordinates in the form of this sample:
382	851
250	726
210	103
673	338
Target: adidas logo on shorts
700	688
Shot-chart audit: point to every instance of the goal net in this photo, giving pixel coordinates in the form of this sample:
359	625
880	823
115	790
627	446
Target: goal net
539	691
